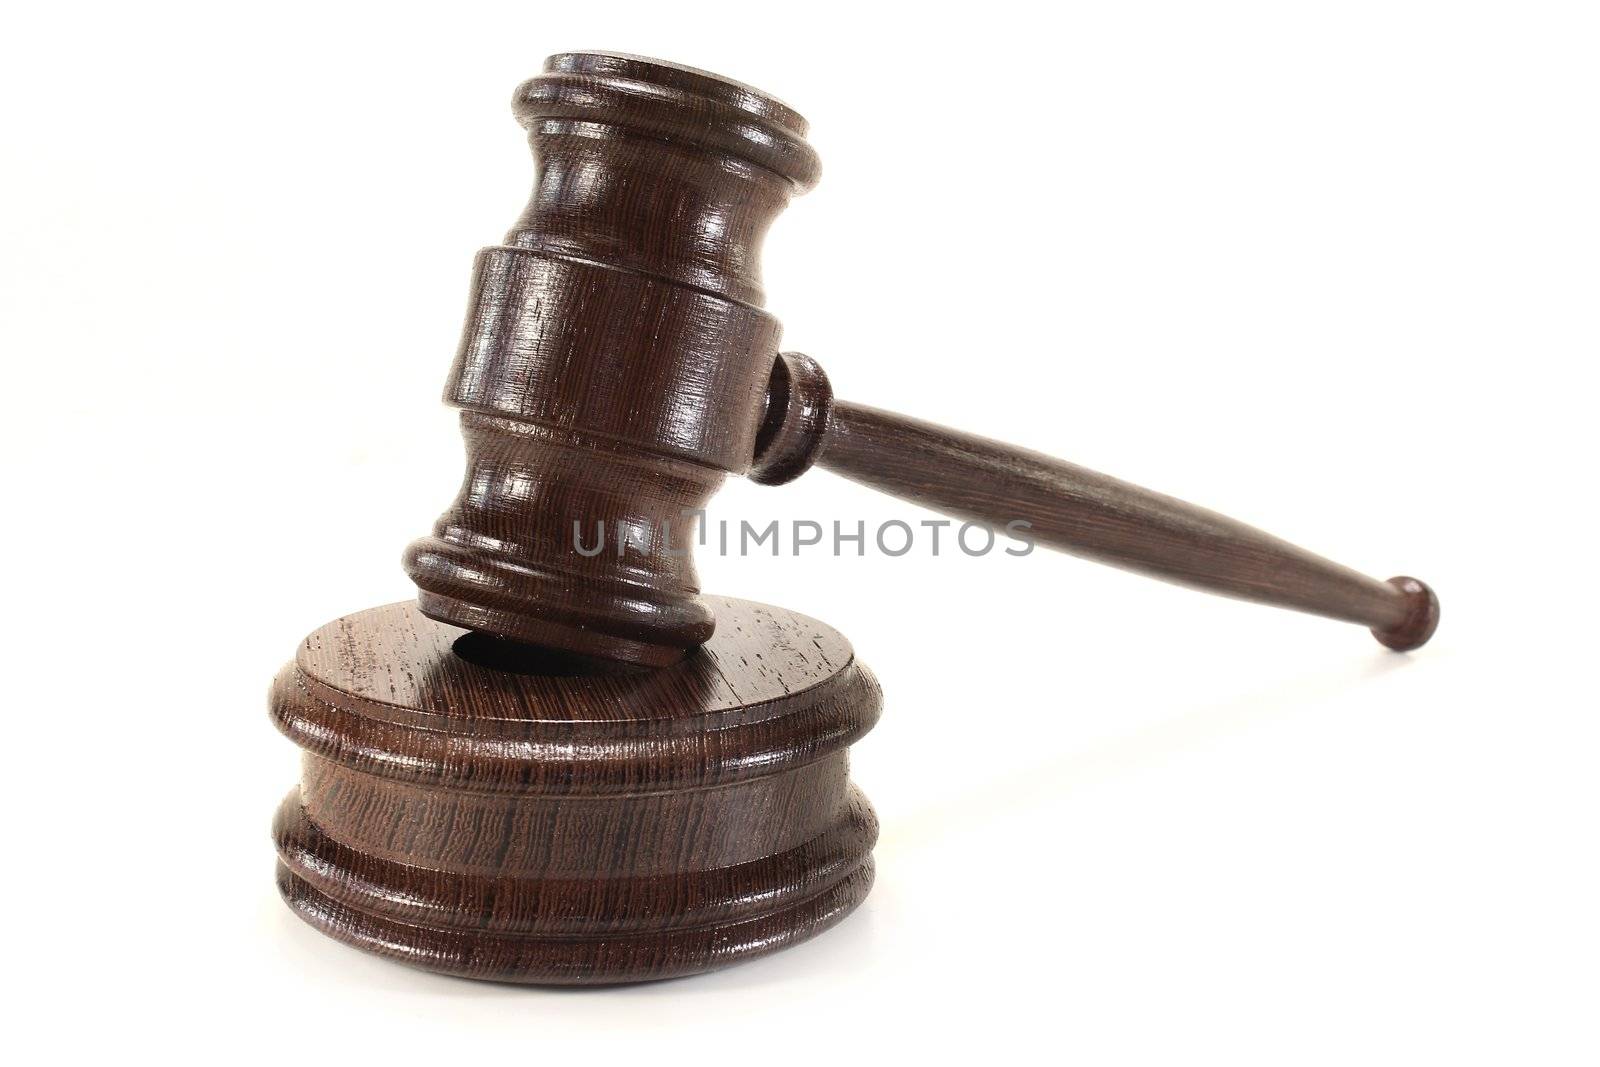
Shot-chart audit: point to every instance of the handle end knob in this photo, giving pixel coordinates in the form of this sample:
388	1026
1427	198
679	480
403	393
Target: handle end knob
1420	621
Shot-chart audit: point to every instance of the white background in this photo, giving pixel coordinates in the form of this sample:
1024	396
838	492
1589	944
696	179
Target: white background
1330	268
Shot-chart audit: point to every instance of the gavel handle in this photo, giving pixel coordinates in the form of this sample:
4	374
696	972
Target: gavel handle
1071	508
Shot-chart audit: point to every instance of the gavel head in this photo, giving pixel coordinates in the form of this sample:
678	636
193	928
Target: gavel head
615	359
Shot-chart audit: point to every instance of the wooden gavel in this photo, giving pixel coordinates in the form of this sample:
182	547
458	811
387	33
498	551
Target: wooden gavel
477	805
616	364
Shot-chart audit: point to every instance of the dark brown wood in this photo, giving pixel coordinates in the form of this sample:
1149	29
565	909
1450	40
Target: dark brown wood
492	786
616	365
615	357
486	810
1070	508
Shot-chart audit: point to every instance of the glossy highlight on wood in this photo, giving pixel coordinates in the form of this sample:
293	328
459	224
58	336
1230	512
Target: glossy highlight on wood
547	821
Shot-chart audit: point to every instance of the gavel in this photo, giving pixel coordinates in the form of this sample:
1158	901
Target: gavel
554	766
617	364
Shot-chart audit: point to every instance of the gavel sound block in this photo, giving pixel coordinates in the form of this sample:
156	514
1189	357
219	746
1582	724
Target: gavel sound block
491	813
569	766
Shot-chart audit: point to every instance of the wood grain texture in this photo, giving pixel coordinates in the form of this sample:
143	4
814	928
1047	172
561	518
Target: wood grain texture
497	812
616	365
1070	508
491	787
615	357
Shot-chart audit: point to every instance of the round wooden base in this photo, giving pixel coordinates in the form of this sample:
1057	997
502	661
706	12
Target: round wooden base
470	809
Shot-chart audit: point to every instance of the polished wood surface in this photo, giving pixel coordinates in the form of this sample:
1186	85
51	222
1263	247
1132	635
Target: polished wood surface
487	810
1070	508
615	357
616	364
568	766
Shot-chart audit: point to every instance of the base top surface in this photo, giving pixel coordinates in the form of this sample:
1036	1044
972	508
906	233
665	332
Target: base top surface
391	692
394	660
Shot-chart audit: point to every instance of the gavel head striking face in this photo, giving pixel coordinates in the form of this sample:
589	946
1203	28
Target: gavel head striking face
615	359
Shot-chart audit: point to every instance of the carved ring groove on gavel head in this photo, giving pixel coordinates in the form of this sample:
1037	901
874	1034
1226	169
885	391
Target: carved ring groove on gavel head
615	358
